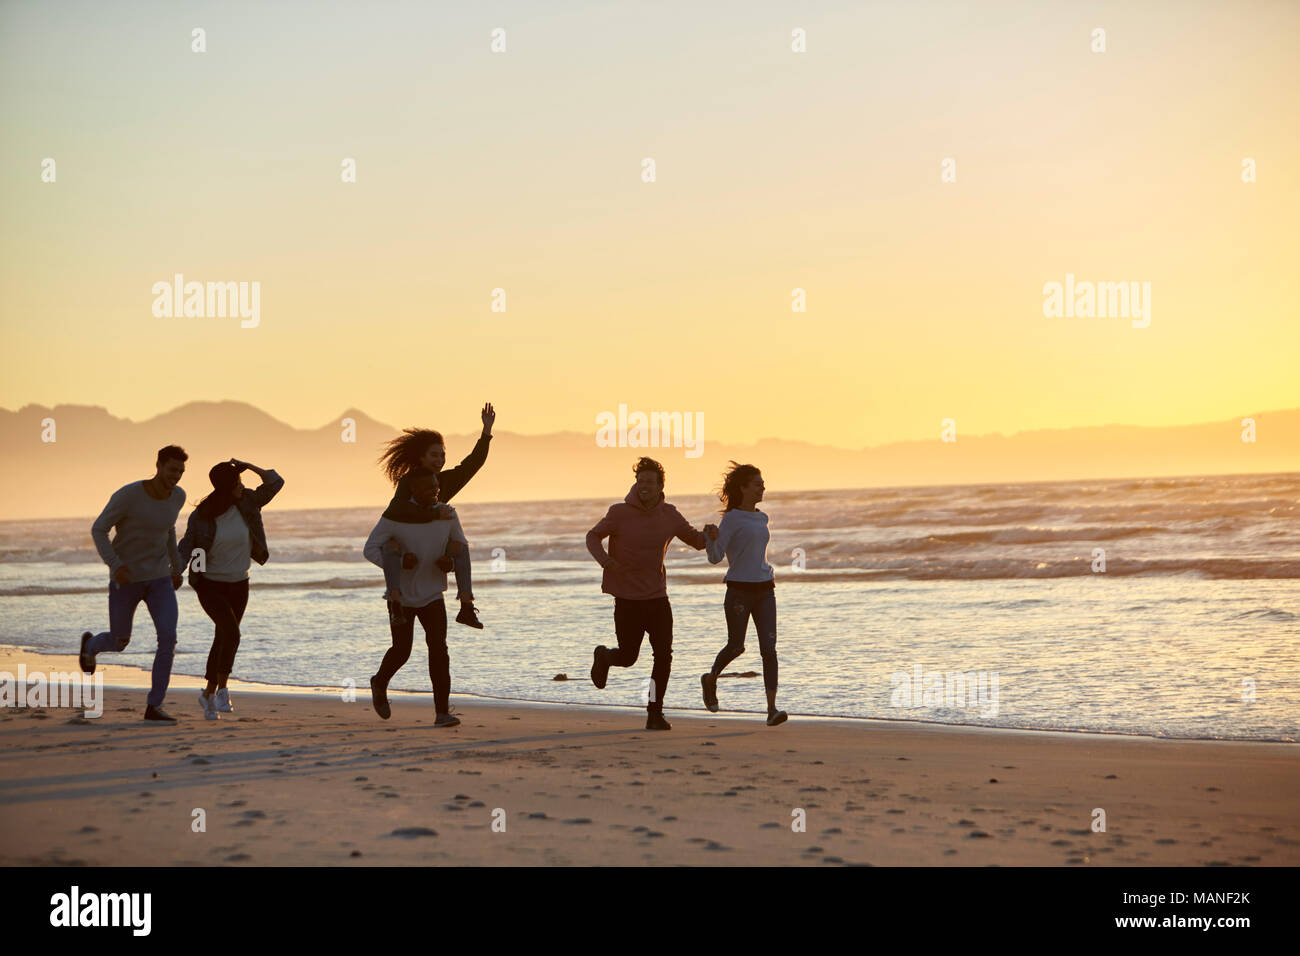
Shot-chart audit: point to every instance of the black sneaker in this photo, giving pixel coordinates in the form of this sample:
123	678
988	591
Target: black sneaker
600	667
379	697
655	721
87	661
710	684
777	717
468	618
447	720
158	714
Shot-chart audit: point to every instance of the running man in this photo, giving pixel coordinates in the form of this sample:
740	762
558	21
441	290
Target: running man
143	565
422	585
639	531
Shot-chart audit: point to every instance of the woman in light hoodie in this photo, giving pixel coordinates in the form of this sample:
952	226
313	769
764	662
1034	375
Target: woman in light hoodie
742	537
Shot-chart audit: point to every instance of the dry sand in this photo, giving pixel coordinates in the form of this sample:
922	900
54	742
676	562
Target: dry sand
309	779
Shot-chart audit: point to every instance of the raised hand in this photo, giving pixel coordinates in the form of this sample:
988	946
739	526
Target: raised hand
711	532
489	417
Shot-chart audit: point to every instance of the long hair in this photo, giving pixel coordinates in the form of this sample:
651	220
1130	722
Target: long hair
223	476
732	480
404	452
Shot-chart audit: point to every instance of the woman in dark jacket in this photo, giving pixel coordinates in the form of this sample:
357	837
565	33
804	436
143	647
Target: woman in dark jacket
223	537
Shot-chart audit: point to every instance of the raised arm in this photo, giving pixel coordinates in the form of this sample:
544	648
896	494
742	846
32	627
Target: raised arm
271	481
452	480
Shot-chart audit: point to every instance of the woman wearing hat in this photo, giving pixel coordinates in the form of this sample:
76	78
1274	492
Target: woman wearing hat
225	532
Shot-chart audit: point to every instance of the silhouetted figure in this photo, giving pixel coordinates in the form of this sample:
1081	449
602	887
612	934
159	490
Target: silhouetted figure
420	588
226	528
143	565
424	448
639	531
751	583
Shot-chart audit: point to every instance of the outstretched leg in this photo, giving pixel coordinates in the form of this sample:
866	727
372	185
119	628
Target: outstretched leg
160	599
736	605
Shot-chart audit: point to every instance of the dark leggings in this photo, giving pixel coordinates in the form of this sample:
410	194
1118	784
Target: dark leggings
632	621
433	618
740	605
224	602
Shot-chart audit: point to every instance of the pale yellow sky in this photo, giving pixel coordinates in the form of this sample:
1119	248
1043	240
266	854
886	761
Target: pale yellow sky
775	170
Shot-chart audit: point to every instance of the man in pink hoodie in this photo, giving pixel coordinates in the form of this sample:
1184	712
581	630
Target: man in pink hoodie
639	531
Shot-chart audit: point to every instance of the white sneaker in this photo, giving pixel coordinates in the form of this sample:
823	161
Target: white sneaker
223	701
209	707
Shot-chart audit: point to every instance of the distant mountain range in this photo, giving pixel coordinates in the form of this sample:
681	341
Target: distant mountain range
95	452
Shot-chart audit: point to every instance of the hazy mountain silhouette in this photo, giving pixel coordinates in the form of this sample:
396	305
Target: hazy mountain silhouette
95	453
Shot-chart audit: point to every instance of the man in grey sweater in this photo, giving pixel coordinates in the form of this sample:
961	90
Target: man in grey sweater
143	565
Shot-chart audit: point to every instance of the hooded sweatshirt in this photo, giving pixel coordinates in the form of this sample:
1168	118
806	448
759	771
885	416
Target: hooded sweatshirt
639	539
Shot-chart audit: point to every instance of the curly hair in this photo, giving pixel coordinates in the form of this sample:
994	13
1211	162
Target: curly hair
733	480
405	451
649	464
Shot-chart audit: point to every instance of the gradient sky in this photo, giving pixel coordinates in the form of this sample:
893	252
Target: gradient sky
775	170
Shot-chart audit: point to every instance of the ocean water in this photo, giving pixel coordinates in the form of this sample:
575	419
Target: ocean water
980	604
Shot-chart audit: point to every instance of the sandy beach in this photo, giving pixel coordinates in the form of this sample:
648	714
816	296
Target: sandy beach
305	778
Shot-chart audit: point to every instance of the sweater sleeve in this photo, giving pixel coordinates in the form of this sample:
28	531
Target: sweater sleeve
374	546
173	554
717	549
688	534
457	532
113	512
596	536
453	480
269	488
186	546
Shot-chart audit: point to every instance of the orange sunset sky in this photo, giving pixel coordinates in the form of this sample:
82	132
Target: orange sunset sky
775	170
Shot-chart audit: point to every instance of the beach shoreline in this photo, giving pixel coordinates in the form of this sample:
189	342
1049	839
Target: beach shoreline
305	778
129	677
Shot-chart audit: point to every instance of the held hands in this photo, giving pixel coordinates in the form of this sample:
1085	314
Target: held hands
410	560
711	532
445	564
177	580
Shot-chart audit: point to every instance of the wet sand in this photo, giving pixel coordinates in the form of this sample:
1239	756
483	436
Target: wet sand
308	778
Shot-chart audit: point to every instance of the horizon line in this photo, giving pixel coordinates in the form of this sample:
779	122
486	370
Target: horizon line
569	431
793	491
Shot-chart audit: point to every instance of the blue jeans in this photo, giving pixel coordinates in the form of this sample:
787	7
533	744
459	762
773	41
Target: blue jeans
160	598
393	570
